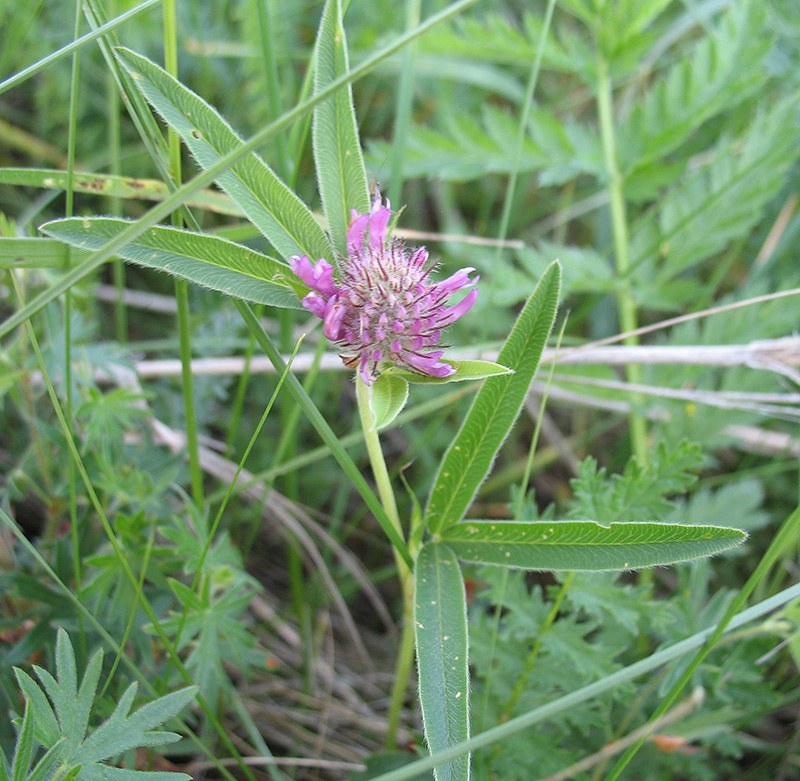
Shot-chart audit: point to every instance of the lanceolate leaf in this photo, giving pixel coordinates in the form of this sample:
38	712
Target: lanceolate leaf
210	261
585	545
440	625
337	151
269	204
469	458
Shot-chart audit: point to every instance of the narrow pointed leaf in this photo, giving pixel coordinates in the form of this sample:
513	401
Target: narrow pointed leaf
47	730
440	626
24	749
337	151
45	764
87	690
268	203
586	545
497	405
206	260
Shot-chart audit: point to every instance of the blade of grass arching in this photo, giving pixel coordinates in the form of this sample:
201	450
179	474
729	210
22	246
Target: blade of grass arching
787	535
76	45
495	408
117	648
325	432
588	692
334	134
404	101
136	106
181	285
163	209
112	538
134	610
68	411
237	408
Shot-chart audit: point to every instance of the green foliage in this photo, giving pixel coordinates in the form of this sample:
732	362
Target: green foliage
585	545
58	713
209	261
440	626
532	659
704	136
337	150
496	407
640	492
268	203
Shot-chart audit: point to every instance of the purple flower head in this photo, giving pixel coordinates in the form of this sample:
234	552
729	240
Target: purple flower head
383	307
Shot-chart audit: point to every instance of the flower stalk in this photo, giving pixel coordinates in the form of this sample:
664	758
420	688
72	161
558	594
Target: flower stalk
381	308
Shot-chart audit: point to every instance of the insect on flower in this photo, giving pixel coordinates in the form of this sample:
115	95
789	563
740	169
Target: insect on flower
383	308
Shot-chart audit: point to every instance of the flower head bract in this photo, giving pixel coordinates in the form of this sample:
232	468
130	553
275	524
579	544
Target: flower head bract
383	308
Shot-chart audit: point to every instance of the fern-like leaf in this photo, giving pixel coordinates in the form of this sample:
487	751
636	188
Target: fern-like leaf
61	723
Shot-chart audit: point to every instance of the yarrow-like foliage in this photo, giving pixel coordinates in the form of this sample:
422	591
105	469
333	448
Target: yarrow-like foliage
383	307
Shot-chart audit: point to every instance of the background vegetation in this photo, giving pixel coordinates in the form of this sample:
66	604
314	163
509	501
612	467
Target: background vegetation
651	145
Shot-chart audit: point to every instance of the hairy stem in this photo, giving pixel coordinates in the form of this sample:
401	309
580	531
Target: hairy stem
384	485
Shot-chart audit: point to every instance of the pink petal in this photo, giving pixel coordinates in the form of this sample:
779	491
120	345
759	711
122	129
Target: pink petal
378	221
452	314
315	304
318	276
456	281
334	316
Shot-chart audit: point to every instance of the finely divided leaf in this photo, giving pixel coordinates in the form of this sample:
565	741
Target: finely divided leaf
337	151
440	625
586	545
268	203
66	737
497	404
206	260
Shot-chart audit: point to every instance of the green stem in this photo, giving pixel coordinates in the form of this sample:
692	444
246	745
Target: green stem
181	285
405	98
272	82
548	622
628	316
386	494
115	203
379	471
71	477
405	663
